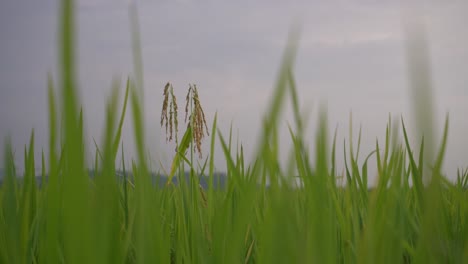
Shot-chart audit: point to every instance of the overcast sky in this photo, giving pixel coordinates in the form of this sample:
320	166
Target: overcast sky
351	58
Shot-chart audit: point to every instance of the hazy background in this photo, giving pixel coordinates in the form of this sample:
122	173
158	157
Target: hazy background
351	58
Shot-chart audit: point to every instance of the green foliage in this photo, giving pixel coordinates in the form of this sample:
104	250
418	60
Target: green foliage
305	212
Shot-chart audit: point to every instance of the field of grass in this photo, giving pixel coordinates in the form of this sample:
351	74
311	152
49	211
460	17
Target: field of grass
265	213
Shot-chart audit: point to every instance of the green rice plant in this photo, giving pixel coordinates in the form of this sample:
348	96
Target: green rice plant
265	212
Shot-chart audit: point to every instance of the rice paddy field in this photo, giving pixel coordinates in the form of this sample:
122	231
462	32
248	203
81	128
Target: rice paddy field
308	211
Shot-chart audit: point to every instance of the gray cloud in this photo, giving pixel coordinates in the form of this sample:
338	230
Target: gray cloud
351	56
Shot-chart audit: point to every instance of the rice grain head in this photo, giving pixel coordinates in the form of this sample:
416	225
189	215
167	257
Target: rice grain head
170	122
197	117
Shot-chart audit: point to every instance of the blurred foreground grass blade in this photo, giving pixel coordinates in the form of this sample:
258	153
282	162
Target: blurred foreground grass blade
295	104
28	204
138	127
136	48
434	245
43	171
76	218
11	227
435	224
49	251
417	54
277	100
151	235
322	225
107	248
122	117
